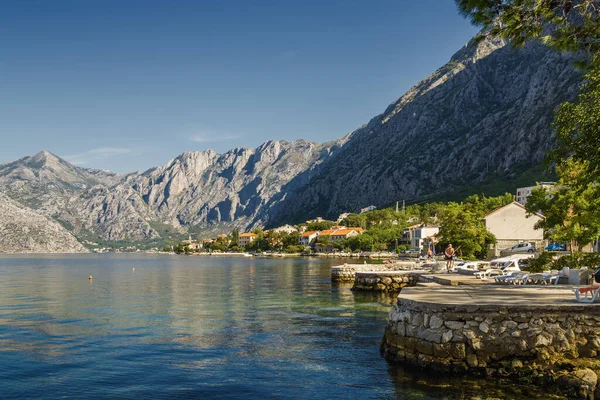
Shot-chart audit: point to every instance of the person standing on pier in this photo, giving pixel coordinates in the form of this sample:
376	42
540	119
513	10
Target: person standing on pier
449	256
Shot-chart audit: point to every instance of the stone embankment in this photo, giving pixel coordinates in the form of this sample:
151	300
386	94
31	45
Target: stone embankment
386	281
537	335
346	273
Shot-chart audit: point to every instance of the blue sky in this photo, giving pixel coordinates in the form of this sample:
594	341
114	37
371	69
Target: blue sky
127	85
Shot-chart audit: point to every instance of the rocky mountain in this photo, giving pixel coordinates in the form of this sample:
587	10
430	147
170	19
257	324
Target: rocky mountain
44	181
25	231
197	191
484	118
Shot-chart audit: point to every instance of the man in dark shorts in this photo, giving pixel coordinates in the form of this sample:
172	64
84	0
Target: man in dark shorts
449	256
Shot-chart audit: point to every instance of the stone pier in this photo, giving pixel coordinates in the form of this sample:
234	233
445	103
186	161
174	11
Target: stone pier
538	335
346	273
386	281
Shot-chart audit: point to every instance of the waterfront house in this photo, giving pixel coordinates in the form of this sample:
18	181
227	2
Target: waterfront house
419	235
246	238
511	225
422	234
307	238
194	246
337	234
206	242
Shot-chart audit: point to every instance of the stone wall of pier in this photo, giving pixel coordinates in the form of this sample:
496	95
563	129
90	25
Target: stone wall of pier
346	273
554	346
385	281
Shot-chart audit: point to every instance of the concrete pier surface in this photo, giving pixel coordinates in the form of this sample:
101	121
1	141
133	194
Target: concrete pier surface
558	297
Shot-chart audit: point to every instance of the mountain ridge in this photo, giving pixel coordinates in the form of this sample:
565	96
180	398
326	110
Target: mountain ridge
483	117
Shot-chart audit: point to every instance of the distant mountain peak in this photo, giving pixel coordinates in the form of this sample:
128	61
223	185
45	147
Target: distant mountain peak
45	156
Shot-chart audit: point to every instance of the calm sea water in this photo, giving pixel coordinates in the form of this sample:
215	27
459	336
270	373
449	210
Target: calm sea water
198	327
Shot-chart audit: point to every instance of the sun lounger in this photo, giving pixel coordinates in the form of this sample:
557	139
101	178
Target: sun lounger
488	273
517	278
544	278
502	278
587	294
514	277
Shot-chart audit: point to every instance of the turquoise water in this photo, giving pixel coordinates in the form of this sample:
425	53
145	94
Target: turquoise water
197	327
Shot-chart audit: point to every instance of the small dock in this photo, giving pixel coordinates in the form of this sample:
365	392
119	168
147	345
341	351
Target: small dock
346	273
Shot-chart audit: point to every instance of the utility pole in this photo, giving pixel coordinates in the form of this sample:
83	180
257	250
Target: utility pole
396	207
403	206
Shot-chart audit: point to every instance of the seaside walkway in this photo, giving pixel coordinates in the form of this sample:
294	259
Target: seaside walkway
531	296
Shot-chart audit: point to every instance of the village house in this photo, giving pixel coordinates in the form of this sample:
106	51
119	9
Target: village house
337	234
367	209
524	192
246	238
194	246
419	235
511	225
342	217
206	242
307	238
285	228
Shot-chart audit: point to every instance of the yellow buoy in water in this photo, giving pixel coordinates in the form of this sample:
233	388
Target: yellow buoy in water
91	278
133	269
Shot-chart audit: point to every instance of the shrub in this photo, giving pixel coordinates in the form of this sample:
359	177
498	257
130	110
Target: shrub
578	260
294	249
542	263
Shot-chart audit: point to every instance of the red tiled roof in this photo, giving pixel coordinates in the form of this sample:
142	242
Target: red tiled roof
327	232
248	235
310	233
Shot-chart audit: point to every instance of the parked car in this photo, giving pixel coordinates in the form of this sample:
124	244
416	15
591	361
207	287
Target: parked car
556	247
519	248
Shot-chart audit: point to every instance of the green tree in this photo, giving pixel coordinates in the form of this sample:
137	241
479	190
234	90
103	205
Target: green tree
384	216
462	225
275	240
355	221
320	226
565	25
483	204
572	212
291	239
235	235
323	241
577	127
